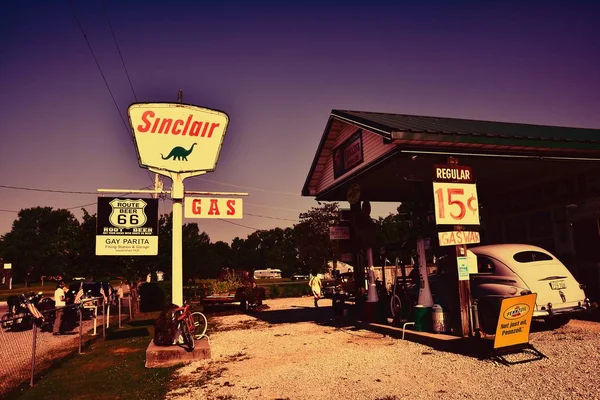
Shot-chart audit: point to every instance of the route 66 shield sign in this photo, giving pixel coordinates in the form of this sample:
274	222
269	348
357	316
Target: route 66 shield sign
127	213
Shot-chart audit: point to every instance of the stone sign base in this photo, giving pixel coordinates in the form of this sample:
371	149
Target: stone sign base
167	356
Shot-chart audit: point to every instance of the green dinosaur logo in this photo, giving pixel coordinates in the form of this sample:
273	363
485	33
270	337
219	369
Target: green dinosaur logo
179	153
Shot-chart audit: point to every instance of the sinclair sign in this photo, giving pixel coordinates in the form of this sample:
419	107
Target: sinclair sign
177	137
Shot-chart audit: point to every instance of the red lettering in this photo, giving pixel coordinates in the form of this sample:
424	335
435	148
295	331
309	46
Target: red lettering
145	116
155	127
204	130
196	206
166	125
212	128
187	124
214	207
230	207
195	129
177	131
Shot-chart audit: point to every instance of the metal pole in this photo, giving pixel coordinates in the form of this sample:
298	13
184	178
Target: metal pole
103	318
120	299
80	327
130	312
33	352
177	265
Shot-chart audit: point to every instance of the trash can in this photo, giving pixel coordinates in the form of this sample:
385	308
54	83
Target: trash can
423	319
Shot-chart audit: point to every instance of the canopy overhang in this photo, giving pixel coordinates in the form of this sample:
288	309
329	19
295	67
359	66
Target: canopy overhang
400	152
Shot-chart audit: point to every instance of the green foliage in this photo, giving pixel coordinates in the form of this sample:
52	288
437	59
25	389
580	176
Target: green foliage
41	242
312	237
274	291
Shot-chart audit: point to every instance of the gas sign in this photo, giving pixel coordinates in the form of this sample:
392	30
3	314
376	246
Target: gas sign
455	203
207	207
177	137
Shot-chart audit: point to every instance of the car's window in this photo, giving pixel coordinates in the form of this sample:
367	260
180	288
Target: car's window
531	256
485	265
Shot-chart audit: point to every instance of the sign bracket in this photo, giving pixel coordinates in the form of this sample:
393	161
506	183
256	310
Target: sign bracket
499	354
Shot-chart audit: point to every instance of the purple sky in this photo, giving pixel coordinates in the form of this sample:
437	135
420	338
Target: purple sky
277	70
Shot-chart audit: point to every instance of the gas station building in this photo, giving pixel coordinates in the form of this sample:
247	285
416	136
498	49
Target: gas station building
536	184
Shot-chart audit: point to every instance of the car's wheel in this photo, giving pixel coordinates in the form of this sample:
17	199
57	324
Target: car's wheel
488	319
557	321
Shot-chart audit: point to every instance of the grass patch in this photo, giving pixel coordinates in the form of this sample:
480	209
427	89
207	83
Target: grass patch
108	369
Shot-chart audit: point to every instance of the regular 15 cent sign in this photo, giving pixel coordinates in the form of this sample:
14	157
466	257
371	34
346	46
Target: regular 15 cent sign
127	227
177	137
455	196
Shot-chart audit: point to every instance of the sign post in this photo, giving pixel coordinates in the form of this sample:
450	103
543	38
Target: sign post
178	141
456	205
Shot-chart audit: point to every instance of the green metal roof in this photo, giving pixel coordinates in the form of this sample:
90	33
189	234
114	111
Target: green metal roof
473	131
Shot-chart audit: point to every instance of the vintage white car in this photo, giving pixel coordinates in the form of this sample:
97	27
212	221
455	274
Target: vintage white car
507	270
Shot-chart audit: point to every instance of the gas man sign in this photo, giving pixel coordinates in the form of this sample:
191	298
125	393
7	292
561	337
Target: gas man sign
177	137
127	227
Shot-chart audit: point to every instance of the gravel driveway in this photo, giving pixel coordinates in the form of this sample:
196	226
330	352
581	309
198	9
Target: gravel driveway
294	351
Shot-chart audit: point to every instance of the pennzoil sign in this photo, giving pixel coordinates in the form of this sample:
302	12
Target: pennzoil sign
127	227
177	137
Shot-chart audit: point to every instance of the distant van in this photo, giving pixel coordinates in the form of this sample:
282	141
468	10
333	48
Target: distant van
267	274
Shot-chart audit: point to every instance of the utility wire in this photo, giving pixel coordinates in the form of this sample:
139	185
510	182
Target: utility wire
97	64
46	190
248	187
264	216
100	70
234	223
118	49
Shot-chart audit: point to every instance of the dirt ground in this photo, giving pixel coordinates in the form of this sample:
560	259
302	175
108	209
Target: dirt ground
295	351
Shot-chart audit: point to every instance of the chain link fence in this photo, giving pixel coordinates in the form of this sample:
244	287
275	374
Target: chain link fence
28	346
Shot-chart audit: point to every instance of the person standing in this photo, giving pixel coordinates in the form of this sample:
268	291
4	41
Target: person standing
315	286
59	304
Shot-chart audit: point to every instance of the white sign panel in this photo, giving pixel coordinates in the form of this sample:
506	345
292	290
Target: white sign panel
208	207
177	137
455	238
463	268
7	266
339	232
455	203
127	227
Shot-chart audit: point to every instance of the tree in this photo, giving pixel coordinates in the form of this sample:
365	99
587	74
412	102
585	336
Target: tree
42	242
312	237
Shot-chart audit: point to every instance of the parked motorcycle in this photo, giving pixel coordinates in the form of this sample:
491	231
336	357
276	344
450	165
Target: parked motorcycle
22	310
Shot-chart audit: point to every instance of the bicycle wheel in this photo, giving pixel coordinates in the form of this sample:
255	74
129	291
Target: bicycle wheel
188	339
396	306
200	325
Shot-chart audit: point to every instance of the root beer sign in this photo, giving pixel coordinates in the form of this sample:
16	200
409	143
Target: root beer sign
177	137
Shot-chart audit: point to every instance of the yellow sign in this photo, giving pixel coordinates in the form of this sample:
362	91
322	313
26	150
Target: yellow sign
177	137
207	207
455	203
455	238
514	321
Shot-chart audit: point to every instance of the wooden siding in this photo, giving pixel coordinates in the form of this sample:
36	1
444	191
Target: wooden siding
373	148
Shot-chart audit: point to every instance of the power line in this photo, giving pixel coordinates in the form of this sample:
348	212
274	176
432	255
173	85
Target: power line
264	216
102	73
118	49
234	223
248	187
46	190
97	64
12	211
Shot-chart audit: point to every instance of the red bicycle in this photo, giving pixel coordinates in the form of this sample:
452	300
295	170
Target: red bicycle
192	325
